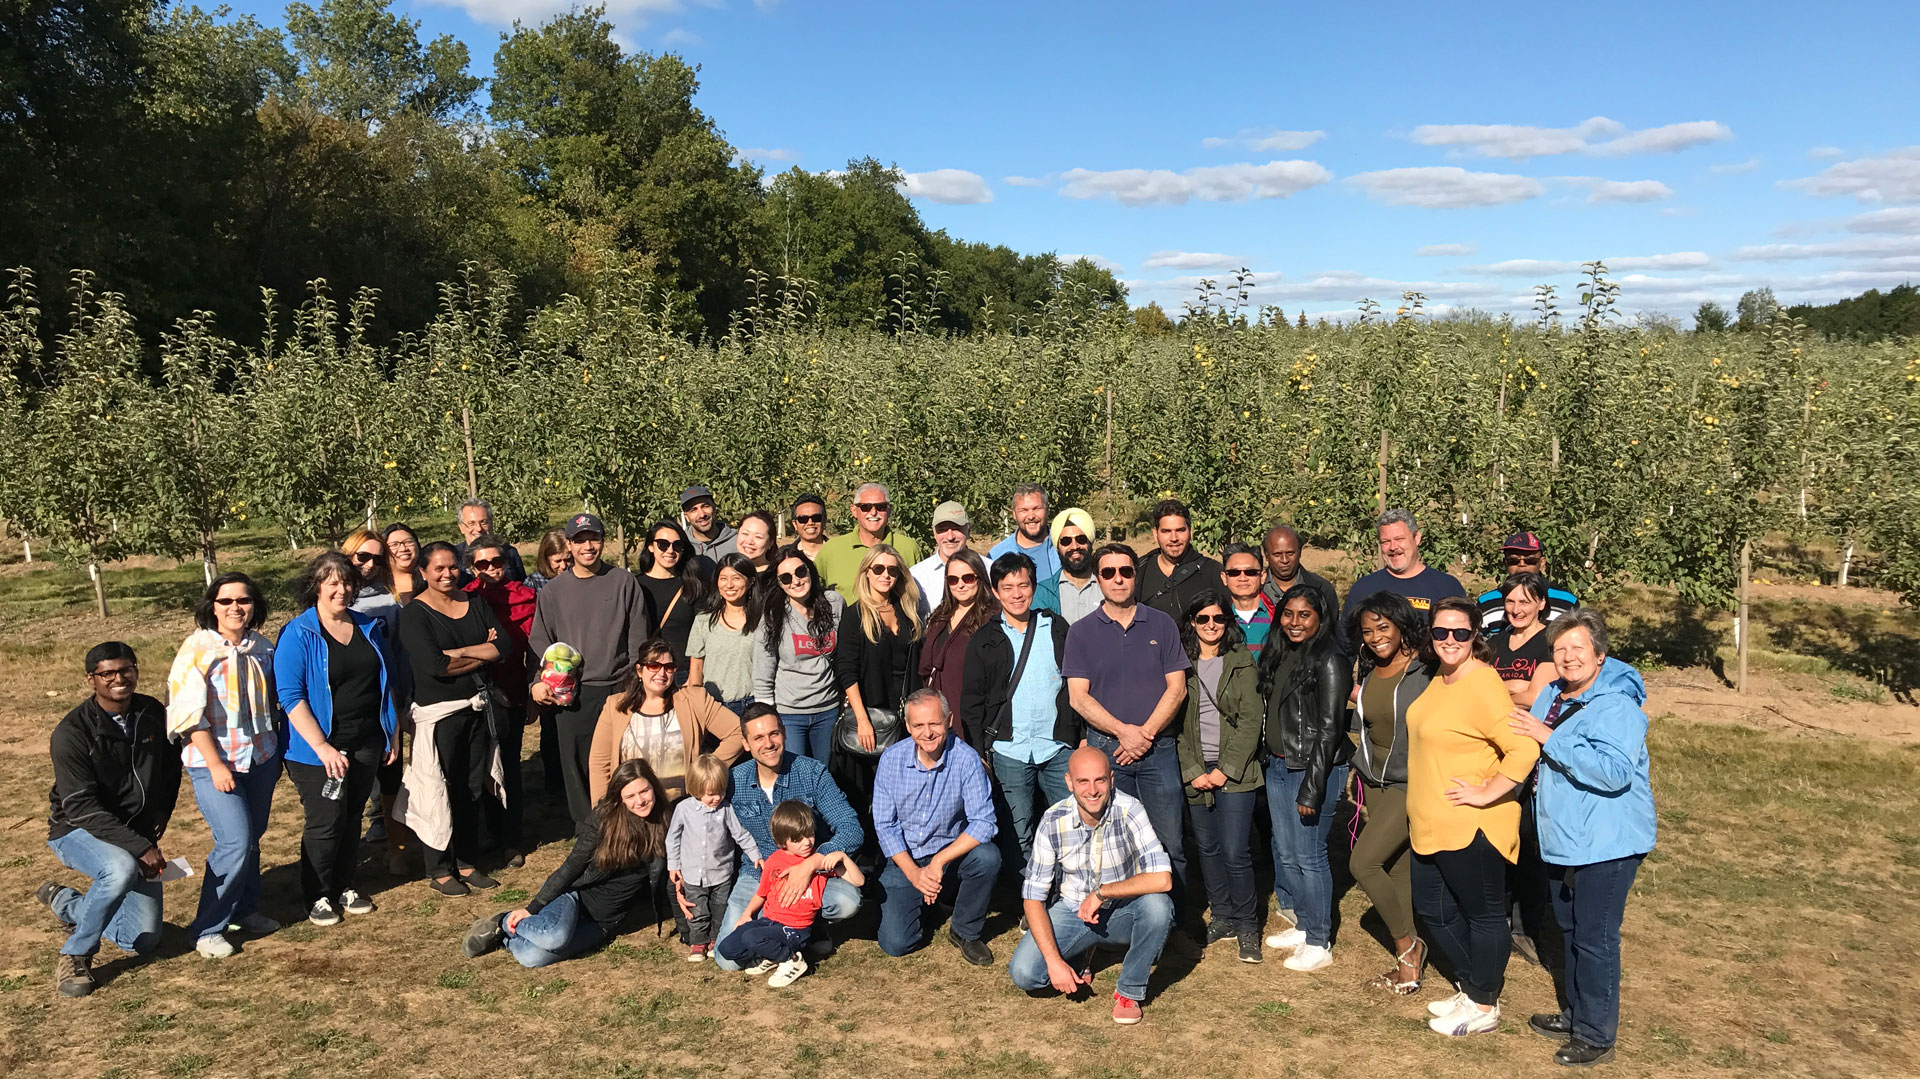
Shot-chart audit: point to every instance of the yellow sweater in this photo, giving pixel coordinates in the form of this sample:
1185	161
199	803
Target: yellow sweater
1460	731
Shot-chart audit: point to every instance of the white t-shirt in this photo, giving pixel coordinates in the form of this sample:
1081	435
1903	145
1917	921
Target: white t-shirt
658	739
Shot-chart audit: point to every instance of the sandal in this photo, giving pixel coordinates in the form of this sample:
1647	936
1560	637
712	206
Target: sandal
1388	982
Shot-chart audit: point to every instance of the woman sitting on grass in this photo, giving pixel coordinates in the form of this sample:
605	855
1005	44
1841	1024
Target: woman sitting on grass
619	855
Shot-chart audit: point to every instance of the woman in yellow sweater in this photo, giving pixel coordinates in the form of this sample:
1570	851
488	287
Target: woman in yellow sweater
1464	766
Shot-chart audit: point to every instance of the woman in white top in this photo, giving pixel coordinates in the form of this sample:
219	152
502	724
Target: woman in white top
668	727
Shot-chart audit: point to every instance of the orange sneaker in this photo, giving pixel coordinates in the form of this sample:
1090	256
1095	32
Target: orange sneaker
1126	1011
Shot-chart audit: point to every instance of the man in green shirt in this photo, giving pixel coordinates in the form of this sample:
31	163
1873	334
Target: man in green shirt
839	560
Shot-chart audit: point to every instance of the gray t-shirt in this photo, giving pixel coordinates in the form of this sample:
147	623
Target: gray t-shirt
800	677
1079	601
727	655
1209	672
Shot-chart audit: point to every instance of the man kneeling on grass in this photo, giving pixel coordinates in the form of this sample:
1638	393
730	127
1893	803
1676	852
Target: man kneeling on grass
1113	876
773	929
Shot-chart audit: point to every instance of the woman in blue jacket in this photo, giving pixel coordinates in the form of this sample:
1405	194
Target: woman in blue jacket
337	683
1594	808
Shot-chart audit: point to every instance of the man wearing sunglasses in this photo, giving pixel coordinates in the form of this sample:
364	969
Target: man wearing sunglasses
1029	536
712	536
1173	575
115	780
476	520
840	558
810	525
1402	572
1522	553
1074	592
951	530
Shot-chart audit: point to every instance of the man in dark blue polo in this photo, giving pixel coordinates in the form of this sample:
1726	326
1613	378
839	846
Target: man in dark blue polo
1127	677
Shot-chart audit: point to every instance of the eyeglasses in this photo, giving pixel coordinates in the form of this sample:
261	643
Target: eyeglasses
1209	619
228	601
364	558
116	674
884	571
808	518
873	507
489	563
1075	541
962	578
1240	573
1108	573
652	666
800	573
1457	633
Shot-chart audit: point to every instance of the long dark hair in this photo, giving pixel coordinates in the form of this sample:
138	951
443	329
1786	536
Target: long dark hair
1393	607
693	584
770	605
1482	651
738	563
1190	640
632	693
203	615
1311	651
627	840
985	606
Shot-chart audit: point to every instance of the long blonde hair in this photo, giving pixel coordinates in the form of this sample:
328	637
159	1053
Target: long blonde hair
871	601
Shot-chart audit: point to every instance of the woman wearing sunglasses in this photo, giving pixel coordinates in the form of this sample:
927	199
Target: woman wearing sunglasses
965	606
1464	765
1220	764
797	619
675	586
667	727
367	550
877	664
1305	678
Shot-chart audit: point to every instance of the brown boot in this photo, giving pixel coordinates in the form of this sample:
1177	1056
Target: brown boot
73	975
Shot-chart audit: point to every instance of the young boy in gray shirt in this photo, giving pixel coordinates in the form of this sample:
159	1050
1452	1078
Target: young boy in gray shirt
703	844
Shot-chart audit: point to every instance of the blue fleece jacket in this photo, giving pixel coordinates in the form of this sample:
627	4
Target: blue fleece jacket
1595	797
300	674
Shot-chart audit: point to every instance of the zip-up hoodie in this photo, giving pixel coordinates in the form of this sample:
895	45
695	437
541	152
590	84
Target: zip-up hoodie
1595	799
118	789
725	540
300	674
1391	772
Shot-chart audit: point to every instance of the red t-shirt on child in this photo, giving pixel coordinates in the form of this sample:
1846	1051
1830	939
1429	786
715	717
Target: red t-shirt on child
800	914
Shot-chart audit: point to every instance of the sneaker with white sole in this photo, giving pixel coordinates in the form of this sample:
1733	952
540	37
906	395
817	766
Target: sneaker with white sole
355	903
255	924
788	972
213	946
764	966
1448	1006
1309	957
1287	938
323	912
1468	1020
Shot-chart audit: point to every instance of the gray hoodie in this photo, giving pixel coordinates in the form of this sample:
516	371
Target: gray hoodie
725	541
1391	772
800	678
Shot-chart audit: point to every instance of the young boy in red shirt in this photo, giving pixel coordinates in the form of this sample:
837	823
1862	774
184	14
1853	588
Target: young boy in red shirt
776	933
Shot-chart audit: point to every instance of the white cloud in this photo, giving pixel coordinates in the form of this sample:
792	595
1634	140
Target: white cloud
627	13
1211	183
1890	177
1734	167
1871	247
1191	260
1446	187
1024	181
1599	190
1106	264
681	36
1266	140
1826	153
1597	135
1678	260
762	153
1903	219
1432	250
953	187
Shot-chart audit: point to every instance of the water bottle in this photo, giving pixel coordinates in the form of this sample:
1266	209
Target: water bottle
332	788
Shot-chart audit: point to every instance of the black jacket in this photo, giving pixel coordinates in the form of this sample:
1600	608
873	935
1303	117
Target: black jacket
986	686
605	896
1171	593
1308	725
870	664
117	790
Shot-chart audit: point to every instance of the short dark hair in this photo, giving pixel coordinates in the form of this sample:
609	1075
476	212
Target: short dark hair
203	611
1011	563
1482	651
790	820
482	542
431	549
325	566
1534	583
808	499
1170	507
106	650
1236	547
1120	549
756	710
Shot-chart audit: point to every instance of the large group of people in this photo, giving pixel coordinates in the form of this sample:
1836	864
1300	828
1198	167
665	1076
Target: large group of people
758	733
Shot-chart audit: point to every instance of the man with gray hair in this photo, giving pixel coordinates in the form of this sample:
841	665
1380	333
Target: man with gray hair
476	520
839	560
1029	536
1402	572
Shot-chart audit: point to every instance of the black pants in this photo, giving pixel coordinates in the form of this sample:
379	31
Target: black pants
330	841
550	776
466	754
573	730
1531	911
1461	897
507	825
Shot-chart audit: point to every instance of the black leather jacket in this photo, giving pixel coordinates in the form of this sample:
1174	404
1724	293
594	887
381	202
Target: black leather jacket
1308	725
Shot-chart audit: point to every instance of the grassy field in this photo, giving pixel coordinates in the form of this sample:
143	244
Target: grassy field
1769	933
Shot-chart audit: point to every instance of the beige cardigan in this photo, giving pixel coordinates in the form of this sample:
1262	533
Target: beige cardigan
706	724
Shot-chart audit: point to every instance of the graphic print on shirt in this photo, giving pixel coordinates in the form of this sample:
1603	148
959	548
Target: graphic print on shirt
804	644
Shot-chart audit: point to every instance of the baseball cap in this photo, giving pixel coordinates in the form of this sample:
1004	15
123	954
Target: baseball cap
584	522
951	513
694	494
1523	541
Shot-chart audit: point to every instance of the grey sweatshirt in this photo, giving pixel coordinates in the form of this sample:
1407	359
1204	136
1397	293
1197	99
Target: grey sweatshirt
702	842
800	678
604	616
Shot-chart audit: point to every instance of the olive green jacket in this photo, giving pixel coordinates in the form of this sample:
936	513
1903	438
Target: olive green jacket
1241	716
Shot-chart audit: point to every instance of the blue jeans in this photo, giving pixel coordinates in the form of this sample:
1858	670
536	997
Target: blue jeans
560	931
1300	848
122	905
1020	782
901	911
1155	780
1141	924
230	888
840	902
738	706
809	734
1222	837
1460	896
762	938
1588	902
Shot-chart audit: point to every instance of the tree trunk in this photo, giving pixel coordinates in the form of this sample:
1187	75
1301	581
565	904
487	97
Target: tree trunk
99	587
26	545
1743	629
620	537
1846	564
1381	499
466	431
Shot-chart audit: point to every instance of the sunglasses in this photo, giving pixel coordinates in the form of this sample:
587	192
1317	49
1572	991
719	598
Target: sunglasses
652	666
1075	541
1108	573
963	578
660	544
366	559
489	563
1456	633
1209	619
228	601
799	574
808	518
1240	572
873	507
884	571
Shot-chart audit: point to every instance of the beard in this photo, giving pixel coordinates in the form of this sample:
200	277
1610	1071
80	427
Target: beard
1079	563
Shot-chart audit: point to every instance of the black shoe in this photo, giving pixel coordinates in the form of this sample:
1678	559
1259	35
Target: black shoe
1523	947
1219	930
451	887
1249	937
1551	1025
821	945
46	893
1578	1054
484	936
973	951
477	879
516	860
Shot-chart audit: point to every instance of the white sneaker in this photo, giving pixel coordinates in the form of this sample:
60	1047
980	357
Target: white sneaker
788	972
355	903
1287	938
696	957
1309	957
214	946
764	966
1468	1020
1448	1006
323	913
256	924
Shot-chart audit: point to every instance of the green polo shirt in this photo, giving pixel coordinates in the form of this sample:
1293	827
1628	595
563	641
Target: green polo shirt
839	561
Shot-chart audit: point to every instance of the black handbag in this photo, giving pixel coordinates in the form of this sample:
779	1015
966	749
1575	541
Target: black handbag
887	729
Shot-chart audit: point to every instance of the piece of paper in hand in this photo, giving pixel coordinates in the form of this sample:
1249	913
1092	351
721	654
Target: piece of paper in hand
175	869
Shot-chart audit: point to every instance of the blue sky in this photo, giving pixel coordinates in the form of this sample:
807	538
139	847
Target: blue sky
1340	151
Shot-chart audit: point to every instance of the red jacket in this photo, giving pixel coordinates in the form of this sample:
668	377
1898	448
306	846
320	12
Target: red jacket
512	604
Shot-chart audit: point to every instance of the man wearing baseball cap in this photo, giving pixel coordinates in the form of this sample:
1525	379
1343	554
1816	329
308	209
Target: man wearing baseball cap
601	611
1522	553
712	536
951	530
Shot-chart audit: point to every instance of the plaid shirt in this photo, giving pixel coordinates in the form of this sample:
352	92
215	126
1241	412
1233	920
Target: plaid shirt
227	689
1079	859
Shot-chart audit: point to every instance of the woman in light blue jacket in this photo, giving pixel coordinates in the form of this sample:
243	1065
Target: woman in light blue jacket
1594	808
